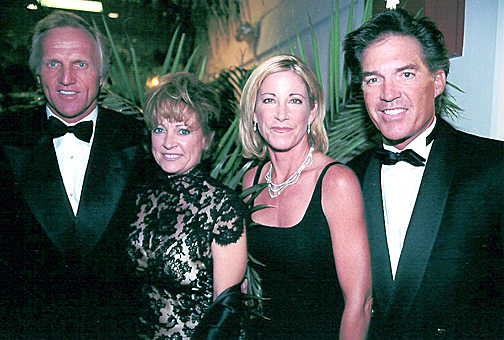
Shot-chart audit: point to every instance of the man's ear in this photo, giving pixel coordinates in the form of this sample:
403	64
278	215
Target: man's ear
38	79
439	82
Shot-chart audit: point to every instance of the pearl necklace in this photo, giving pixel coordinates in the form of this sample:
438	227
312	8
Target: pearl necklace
276	189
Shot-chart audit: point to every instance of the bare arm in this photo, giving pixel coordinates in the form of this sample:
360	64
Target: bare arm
343	207
229	264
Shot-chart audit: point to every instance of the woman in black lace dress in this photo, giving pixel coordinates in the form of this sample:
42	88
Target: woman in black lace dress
188	242
311	237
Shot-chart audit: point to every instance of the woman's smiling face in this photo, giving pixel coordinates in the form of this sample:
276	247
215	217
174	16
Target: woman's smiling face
177	146
283	111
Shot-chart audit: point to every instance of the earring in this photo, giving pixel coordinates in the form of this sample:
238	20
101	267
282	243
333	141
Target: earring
309	128
255	126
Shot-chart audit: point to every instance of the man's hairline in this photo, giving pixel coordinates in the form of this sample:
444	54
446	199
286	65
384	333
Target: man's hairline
79	27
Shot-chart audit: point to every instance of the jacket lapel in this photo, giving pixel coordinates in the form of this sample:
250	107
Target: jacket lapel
425	221
380	260
104	183
37	173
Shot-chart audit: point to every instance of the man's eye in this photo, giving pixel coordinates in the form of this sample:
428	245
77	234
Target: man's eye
52	64
408	75
370	81
81	64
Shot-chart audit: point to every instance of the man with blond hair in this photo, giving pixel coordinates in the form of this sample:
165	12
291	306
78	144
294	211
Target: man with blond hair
73	165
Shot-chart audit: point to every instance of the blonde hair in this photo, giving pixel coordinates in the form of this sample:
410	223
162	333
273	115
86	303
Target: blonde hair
66	19
252	143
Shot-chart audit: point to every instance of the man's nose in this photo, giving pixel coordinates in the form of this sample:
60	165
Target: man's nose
390	90
67	75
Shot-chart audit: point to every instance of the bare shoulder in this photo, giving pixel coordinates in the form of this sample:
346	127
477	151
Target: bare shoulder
340	176
337	177
248	178
340	187
342	200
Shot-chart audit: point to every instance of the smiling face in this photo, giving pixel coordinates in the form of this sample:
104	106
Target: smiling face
283	110
177	146
398	89
70	72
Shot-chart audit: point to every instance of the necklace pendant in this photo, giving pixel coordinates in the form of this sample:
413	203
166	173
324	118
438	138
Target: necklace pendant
276	189
272	193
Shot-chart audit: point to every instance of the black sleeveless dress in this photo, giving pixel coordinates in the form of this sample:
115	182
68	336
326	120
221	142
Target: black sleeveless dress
299	280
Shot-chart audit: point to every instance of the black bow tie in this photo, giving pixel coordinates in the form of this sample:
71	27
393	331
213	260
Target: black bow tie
82	130
391	158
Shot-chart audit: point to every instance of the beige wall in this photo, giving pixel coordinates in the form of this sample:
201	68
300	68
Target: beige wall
480	70
277	22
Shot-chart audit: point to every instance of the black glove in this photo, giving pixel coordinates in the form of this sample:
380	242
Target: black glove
222	319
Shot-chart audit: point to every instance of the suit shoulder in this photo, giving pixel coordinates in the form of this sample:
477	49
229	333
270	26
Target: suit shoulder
480	147
131	122
125	129
467	140
482	141
21	128
359	163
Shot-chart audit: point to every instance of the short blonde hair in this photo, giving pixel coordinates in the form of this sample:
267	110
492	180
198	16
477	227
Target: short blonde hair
252	143
66	19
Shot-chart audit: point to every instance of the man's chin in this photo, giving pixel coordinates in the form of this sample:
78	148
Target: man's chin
394	141
71	116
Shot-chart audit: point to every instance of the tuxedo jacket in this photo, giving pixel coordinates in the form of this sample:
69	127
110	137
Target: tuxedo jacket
449	279
67	276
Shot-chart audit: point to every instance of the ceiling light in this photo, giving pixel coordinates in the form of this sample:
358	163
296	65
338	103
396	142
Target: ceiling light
78	5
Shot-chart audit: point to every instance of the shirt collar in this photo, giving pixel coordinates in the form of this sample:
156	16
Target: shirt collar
419	144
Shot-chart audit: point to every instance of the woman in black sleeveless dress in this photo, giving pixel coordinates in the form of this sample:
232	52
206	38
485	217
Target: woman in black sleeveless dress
311	239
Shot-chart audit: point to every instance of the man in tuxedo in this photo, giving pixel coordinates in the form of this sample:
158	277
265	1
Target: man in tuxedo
68	174
434	196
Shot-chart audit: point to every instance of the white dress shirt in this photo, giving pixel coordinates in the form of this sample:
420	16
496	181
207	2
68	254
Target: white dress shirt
400	183
73	156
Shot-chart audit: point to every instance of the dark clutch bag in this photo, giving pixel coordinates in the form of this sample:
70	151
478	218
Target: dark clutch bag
222	319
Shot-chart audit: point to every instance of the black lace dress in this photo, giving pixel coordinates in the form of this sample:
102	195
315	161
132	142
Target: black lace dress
178	218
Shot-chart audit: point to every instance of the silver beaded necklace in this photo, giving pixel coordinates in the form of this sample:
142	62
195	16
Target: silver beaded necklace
276	189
